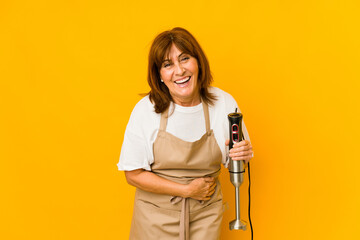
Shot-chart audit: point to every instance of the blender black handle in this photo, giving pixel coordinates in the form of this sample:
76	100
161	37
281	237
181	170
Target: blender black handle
235	128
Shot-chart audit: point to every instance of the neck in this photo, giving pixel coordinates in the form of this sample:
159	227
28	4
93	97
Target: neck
193	101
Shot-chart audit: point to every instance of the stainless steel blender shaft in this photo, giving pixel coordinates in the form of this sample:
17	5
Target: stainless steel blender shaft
236	180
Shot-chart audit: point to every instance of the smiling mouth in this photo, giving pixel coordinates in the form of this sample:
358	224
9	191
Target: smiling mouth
183	81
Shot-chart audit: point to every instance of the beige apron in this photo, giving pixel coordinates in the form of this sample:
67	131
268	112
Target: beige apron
160	216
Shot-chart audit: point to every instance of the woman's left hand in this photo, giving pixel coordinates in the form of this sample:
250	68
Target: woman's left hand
241	151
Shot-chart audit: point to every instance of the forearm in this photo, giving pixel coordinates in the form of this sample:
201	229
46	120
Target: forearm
151	182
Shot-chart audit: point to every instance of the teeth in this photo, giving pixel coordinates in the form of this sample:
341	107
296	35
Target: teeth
182	81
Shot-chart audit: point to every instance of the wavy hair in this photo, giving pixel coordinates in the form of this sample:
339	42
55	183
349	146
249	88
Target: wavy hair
159	94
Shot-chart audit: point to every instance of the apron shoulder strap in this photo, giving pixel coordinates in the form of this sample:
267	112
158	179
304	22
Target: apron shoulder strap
163	120
206	115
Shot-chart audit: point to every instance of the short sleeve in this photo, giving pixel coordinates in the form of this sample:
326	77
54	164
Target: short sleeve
134	153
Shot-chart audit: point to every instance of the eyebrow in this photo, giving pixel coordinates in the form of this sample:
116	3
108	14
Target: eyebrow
168	60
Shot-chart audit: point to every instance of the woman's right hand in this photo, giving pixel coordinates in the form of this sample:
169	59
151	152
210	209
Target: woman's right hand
201	188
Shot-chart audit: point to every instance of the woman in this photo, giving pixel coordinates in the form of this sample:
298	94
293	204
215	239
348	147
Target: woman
175	142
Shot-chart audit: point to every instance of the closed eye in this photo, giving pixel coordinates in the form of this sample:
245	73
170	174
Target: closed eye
184	59
166	64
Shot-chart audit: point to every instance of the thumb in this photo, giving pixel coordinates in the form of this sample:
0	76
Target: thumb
227	141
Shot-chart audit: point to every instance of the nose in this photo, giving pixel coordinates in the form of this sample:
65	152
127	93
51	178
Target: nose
179	70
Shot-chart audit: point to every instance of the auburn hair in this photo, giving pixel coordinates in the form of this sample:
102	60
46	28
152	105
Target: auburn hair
159	94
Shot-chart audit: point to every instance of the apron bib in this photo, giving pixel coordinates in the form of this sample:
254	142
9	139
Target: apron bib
160	216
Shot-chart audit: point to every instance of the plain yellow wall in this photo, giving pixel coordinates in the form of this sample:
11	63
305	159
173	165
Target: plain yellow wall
70	75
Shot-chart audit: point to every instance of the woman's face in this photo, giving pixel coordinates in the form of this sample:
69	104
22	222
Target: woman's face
179	71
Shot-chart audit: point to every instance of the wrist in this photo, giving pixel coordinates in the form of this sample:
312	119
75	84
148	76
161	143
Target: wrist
186	191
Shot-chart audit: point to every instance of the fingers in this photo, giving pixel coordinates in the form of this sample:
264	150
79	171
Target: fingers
209	189
244	158
209	193
212	187
209	179
241	146
241	151
244	155
243	143
204	188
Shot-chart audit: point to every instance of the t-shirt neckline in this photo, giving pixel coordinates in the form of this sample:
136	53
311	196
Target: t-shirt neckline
191	109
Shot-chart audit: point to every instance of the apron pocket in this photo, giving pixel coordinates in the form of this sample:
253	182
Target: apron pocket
153	209
205	223
150	222
217	204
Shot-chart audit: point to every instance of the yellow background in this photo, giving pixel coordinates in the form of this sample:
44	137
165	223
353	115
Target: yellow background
71	72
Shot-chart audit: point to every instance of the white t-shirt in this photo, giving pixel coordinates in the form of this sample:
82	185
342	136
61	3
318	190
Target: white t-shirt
186	123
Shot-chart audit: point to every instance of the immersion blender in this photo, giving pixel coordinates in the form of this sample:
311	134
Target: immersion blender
236	168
